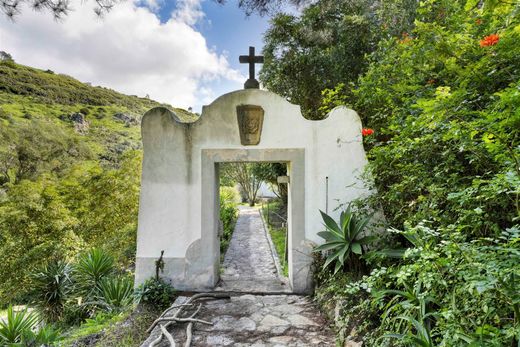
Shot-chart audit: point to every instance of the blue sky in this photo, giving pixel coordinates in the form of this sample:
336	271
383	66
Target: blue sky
182	52
229	30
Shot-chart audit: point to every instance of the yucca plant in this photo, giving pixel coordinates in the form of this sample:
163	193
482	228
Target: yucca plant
16	326
116	293
51	286
344	241
90	269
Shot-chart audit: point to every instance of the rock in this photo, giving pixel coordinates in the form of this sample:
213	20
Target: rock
271	321
77	117
224	323
352	343
296	319
279	330
246	324
81	125
281	339
288	309
219	340
126	118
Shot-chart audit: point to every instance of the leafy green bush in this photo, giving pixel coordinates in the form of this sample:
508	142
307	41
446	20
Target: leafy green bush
443	100
44	336
228	215
155	292
51	285
459	291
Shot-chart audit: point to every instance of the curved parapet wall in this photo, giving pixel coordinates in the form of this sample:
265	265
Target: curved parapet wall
179	191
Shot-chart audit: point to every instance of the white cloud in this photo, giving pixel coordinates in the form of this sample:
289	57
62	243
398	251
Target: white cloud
188	11
128	50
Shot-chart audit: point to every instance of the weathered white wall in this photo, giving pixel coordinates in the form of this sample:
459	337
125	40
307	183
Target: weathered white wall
170	214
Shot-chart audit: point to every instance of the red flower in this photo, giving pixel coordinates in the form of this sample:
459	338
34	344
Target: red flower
478	21
489	40
367	131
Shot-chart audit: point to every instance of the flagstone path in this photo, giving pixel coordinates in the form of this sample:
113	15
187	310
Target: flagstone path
250	263
253	319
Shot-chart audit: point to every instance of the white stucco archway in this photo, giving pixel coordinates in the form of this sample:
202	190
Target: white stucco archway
178	210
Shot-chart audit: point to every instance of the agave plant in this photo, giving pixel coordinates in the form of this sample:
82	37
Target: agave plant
91	268
16	326
344	241
116	293
51	286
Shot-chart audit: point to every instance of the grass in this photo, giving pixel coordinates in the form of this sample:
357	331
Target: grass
122	330
276	231
278	237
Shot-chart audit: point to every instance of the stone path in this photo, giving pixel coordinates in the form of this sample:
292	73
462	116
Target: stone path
249	263
255	320
274	320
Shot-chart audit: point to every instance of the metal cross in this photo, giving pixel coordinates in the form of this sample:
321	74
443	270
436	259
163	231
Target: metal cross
251	59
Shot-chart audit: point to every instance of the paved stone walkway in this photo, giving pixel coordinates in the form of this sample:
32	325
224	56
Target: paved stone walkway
249	264
255	320
274	320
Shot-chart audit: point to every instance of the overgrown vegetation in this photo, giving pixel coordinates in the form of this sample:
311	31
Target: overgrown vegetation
229	199
69	172
441	92
69	182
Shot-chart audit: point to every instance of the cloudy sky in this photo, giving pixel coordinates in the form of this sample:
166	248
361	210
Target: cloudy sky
182	52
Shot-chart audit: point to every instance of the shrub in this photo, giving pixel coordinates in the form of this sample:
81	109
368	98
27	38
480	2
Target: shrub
449	291
155	292
45	336
17	326
91	268
116	293
51	286
228	215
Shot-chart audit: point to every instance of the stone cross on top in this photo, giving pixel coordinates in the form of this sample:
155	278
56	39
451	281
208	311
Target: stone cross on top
251	59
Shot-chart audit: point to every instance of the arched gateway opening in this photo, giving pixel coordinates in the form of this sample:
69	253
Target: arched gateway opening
180	180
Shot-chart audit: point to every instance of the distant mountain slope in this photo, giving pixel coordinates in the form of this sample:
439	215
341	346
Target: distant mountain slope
103	119
46	87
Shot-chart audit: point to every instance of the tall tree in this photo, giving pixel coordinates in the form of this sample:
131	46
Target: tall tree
60	8
244	175
326	46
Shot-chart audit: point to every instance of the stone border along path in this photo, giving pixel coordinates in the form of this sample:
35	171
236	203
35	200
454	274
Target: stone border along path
250	319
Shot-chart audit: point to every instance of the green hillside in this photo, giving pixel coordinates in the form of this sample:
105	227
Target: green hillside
70	163
106	120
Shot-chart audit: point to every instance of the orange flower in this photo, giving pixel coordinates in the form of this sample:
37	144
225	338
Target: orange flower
478	21
489	40
367	131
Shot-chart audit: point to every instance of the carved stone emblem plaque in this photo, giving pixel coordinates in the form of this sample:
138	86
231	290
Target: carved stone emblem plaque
250	122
